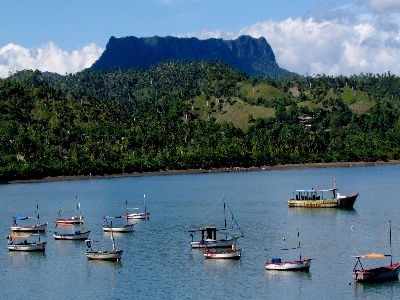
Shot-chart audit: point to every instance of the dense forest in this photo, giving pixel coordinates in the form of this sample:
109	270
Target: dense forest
185	115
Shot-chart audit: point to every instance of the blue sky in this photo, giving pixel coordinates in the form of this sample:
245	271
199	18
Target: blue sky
309	36
74	23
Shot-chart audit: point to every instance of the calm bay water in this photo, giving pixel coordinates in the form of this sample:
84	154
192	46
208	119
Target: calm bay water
158	261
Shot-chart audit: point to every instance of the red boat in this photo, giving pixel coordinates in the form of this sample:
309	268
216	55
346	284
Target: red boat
386	273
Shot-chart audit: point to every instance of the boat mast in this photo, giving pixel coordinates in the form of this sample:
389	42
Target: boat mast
144	199
390	241
298	236
112	238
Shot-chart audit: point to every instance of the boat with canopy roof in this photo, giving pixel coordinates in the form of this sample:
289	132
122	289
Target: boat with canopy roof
39	227
26	244
322	198
379	274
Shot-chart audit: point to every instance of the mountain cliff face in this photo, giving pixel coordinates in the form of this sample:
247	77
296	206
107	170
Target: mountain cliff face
247	54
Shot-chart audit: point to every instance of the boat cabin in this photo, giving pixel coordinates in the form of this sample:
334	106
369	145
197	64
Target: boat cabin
312	194
208	233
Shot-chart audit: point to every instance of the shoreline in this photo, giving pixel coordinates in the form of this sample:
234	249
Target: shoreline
213	170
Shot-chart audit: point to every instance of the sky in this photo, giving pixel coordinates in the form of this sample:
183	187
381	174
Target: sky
338	37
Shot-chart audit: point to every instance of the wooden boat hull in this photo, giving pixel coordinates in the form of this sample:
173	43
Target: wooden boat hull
32	228
387	273
213	244
111	255
339	202
28	247
72	236
126	228
229	254
141	216
298	265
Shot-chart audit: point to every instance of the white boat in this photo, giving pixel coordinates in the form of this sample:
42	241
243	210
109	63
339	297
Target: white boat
233	253
110	255
74	220
209	237
76	235
297	265
107	227
137	216
25	245
39	227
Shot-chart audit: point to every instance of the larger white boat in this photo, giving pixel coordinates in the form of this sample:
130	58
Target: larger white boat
209	239
39	227
25	245
322	198
137	216
209	235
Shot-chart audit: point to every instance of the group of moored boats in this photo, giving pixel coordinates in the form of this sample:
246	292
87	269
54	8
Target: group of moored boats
27	238
214	248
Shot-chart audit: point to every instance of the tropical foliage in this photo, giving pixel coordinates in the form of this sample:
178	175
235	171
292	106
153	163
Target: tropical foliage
190	115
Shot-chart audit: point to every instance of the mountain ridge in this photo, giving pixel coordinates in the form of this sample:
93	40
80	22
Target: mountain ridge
252	56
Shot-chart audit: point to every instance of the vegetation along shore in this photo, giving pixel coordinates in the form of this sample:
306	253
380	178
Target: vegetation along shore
191	116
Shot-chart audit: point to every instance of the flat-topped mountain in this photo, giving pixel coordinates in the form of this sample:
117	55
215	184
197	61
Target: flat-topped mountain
247	54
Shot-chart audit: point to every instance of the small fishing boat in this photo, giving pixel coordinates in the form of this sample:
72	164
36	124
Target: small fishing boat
137	216
297	265
74	235
39	227
234	252
110	255
209	239
380	274
108	227
77	235
321	198
75	219
25	245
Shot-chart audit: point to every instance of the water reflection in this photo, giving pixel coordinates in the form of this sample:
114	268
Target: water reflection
270	274
374	290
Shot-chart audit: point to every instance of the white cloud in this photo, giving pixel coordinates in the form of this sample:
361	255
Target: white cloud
47	58
384	5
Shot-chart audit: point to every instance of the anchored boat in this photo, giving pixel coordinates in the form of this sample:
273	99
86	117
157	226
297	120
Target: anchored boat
297	265
234	252
209	237
26	244
137	216
322	198
108	227
110	255
380	274
73	220
39	227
